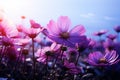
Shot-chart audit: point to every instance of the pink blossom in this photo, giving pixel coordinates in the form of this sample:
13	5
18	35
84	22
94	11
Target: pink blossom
34	24
32	32
60	33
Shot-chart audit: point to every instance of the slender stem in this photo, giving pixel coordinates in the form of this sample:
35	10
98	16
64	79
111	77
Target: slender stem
55	61
46	65
62	52
24	63
118	36
77	59
2	53
46	61
1	48
62	56
33	57
16	64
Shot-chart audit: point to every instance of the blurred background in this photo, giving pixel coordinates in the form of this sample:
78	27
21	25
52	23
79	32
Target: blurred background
95	15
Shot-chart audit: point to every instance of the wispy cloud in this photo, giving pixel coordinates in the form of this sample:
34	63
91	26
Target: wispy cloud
88	15
109	18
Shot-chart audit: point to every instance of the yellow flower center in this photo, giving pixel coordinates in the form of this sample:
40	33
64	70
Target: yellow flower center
102	60
64	35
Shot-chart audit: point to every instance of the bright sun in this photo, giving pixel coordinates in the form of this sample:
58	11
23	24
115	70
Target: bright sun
13	8
13	5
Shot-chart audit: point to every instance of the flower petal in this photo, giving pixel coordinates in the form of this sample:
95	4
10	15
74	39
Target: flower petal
93	58
61	41
34	24
63	23
52	28
77	30
77	39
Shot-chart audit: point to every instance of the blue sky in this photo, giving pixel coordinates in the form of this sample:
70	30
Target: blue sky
93	14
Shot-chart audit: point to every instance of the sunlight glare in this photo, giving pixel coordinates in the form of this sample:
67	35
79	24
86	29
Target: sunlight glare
13	5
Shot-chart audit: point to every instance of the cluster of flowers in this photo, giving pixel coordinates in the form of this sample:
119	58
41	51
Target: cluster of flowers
57	53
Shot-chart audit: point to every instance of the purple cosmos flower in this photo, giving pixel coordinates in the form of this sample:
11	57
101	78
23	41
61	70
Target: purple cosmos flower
91	43
117	47
60	33
103	59
117	28
7	41
100	33
111	36
83	44
12	53
71	67
98	46
109	44
72	54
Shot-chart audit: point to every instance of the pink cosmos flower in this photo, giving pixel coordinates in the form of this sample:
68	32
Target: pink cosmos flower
13	34
47	53
3	28
34	24
60	33
2	31
32	32
21	30
44	55
20	27
6	27
21	42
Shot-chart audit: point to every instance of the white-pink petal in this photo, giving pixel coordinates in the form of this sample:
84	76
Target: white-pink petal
52	28
63	23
